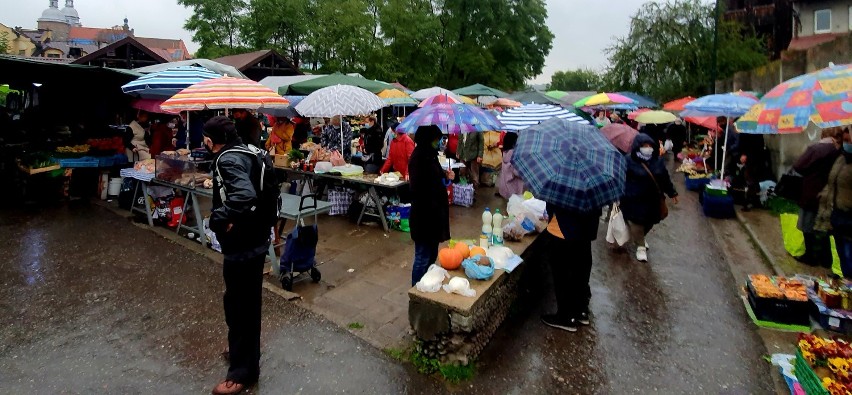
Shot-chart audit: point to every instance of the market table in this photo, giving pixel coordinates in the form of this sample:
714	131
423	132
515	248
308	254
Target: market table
190	199
144	179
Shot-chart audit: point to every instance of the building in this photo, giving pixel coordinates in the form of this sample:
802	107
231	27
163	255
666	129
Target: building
819	21
770	19
258	65
17	43
127	53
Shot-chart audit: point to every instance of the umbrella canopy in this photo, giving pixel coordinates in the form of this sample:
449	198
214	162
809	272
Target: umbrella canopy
620	135
402	87
525	116
822	98
570	165
558	95
396	97
150	105
451	118
703	121
339	100
165	84
286	112
748	94
678	104
641	101
504	102
294	99
655	117
438	99
216	67
485	100
604	99
479	90
530	97
310	86
224	93
632	116
724	104
424	94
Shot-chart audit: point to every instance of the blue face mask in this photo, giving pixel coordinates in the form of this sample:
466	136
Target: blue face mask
847	147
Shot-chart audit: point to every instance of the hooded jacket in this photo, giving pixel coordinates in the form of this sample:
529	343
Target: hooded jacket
430	209
401	149
641	201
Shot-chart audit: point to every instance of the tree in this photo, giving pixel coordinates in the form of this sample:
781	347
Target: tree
576	80
283	24
4	43
669	50
215	25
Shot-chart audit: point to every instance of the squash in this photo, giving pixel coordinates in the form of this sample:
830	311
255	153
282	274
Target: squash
477	251
463	249
450	258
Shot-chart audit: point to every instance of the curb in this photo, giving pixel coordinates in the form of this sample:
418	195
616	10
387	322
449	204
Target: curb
767	256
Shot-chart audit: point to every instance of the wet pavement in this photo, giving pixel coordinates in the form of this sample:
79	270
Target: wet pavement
92	303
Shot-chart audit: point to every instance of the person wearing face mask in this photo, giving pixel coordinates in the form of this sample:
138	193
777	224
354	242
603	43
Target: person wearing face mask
136	138
331	137
430	210
835	205
373	144
647	182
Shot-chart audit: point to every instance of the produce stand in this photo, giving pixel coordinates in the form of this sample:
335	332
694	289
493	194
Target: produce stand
778	299
823	366
190	199
141	187
832	306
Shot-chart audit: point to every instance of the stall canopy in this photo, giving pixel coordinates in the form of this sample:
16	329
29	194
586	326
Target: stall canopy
530	97
281	83
479	90
310	86
216	67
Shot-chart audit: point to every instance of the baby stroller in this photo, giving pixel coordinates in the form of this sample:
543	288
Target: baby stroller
300	249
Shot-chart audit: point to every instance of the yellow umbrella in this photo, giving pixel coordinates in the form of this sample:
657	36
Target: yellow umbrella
655	117
392	94
467	100
603	99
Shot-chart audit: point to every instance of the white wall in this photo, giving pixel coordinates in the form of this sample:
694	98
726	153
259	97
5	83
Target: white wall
840	22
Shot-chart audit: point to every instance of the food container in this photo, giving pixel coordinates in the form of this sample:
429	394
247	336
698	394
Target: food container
182	170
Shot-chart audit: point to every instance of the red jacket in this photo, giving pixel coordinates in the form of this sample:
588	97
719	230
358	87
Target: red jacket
400	152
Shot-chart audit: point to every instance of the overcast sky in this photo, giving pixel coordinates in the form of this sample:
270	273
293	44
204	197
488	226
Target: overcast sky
583	28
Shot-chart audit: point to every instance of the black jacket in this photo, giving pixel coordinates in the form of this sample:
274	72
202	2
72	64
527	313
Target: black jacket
814	166
430	208
233	200
576	225
641	201
374	141
249	130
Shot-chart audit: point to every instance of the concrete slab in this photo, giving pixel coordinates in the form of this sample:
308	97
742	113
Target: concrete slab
765	231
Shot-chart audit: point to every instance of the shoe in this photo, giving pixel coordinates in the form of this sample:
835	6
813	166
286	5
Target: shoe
553	321
642	254
226	354
583	319
647	248
228	387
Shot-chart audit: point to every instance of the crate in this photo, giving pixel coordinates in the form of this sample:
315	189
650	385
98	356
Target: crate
808	379
783	311
830	319
32	171
717	206
85	161
695	184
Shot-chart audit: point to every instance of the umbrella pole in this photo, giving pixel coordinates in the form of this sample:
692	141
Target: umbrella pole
341	136
187	132
724	149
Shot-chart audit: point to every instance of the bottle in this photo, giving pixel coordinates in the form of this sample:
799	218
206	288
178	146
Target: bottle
497	228
487	219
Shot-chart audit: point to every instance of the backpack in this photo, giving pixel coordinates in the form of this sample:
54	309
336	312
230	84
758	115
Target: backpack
265	182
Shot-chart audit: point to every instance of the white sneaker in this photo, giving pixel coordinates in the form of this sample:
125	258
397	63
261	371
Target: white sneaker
642	254
646	246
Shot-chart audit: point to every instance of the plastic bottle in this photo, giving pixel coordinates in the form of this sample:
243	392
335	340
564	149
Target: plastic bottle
497	228
487	219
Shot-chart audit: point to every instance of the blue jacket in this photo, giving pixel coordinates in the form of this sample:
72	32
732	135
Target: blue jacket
641	201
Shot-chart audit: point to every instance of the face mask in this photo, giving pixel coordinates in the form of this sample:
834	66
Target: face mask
646	151
172	125
847	147
740	165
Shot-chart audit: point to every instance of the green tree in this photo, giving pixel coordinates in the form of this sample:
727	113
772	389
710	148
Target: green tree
282	24
668	52
404	23
215	25
576	80
4	43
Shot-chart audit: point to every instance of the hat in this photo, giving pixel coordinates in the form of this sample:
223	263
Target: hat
220	129
393	126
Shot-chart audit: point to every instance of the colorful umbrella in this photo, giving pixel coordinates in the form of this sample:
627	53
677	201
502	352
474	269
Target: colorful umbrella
750	95
724	105
439	99
396	97
632	116
678	104
312	85
558	95
224	93
655	117
604	99
451	118
706	122
641	101
570	165
522	117
150	105
165	84
504	102
424	94
620	135
468	100
822	98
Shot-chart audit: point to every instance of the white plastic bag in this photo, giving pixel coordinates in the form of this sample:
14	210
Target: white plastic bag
616	230
432	280
668	145
459	286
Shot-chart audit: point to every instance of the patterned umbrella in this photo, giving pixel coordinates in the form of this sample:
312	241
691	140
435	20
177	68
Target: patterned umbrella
822	98
620	135
165	84
224	93
604	99
441	98
678	105
570	165
339	100
451	118
522	117
723	105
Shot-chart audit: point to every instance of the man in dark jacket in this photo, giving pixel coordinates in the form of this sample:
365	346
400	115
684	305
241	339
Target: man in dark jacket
234	219
814	166
676	132
248	127
430	209
373	144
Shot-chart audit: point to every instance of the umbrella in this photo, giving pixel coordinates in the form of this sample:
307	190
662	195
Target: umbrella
165	84
504	102
339	100
632	116
707	122
396	97
224	93
442	98
216	67
620	135
748	94
678	104
424	94
286	112
310	86
530	97
655	117
402	87
570	165
558	95
486	100
294	100
451	118
727	105
479	90
604	99
822	98
150	105
641	101
522	117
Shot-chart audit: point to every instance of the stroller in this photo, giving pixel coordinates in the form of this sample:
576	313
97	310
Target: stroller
300	249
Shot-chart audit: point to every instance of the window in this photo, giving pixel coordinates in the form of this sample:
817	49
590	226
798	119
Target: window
822	21
53	55
22	52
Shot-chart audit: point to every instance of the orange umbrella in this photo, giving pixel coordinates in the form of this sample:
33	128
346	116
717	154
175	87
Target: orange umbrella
707	122
678	105
224	93
504	102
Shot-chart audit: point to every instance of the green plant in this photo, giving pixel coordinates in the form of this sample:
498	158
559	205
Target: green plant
295	155
456	374
424	364
356	325
396	353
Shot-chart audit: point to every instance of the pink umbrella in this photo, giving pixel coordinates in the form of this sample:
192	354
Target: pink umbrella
149	105
620	135
632	116
438	99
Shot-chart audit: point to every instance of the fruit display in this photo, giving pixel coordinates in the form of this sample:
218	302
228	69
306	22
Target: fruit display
74	149
778	288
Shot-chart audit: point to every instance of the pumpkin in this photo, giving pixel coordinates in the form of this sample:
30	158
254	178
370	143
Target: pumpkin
450	258
463	249
477	251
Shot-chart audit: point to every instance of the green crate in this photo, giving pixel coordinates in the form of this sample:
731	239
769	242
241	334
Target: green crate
716	192
807	377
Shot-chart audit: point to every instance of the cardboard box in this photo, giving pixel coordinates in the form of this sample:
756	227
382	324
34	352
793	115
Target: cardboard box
281	160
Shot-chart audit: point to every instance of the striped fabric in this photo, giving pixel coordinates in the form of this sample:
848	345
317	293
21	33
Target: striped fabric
224	93
522	117
339	100
165	84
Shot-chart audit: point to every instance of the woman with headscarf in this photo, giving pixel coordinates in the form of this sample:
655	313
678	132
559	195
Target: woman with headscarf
510	182
281	138
646	186
430	210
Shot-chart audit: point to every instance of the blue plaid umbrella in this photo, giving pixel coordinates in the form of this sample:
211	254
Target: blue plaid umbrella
167	83
570	165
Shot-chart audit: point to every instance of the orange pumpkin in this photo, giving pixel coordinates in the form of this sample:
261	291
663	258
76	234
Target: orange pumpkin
477	251
450	258
463	249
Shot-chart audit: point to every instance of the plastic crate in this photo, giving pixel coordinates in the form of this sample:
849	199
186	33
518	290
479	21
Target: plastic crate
717	206
808	379
695	184
784	311
830	319
85	161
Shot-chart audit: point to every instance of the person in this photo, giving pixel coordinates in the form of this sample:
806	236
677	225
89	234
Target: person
646	184
656	132
281	138
743	178
601	119
235	218
676	132
835	207
470	150
814	165
430	211
492	156
248	127
400	153
331	137
510	182
162	136
136	138
373	143
301	132
615	118
390	135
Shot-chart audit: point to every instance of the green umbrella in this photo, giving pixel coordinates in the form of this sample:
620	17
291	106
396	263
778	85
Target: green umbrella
480	90
308	87
558	95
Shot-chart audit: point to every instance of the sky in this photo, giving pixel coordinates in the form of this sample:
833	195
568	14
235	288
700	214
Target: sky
583	28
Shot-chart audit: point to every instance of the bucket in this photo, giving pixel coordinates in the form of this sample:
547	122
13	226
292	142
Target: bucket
114	186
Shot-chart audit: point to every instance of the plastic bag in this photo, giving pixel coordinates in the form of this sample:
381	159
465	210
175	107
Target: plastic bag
668	145
616	230
472	268
432	280
459	286
337	158
794	240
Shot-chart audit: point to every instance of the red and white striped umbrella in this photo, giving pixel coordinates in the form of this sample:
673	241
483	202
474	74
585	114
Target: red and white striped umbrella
224	93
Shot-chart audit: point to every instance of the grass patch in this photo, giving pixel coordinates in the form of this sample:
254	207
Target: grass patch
396	353
355	325
452	373
424	364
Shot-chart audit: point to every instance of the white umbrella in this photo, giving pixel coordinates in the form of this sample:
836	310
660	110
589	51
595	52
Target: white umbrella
522	117
424	94
339	100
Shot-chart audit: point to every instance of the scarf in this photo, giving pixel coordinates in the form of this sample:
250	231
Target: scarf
643	157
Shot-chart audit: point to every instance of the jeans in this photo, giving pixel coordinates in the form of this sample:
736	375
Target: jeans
844	250
425	254
570	264
243	298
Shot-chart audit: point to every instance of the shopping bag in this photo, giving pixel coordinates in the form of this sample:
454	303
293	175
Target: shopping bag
616	230
463	195
794	240
337	158
341	199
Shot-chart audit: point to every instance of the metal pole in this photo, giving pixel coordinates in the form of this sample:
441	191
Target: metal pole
714	67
